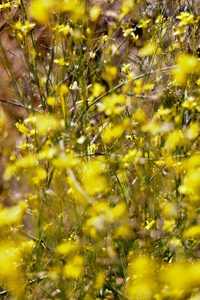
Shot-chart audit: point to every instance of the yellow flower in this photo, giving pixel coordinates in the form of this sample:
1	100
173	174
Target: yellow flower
126	68
112	132
98	89
61	62
144	23
10	269
74	268
148	49
110	74
5	6
46	124
126	7
186	18
186	64
95	13
39	10
113	104
92	177
175	139
13	215
68	248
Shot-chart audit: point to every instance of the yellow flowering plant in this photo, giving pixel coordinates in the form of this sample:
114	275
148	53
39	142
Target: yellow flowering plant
99	149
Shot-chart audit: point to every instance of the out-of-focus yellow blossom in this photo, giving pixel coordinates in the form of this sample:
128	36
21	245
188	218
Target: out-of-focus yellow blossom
192	162
132	156
124	231
46	124
196	297
186	64
175	139
61	90
5	6
193	131
192	233
101	215
75	8
141	283
110	74
138	87
74	268
153	127
96	224
11	275
176	244
52	101
92	177
65	161
68	248
13	215
190	185
163	112
77	34
61	62
113	104
148	49
16	3
190	103
27	162
179	32
139	116
95	13
39	175
98	89
26	247
148	86
177	285
186	18
126	7
169	210
100	280
144	23
76	192
48	153
112	132
81	139
39	10
169	225
198	82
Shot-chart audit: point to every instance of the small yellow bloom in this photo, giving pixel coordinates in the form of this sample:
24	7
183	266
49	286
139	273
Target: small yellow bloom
148	50
186	18
95	13
186	64
5	6
113	104
144	23
74	268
